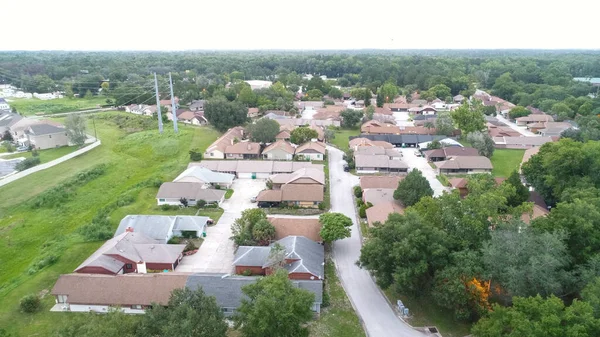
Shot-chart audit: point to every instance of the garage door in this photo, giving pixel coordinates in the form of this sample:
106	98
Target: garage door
245	175
262	175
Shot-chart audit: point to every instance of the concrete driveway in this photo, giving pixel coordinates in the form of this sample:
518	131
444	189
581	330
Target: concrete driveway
378	318
216	253
409	157
308	113
402	118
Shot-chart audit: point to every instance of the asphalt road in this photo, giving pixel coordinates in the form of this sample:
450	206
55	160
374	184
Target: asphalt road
378	317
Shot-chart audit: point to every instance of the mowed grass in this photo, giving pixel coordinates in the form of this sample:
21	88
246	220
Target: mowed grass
341	139
505	161
35	106
130	159
339	318
46	155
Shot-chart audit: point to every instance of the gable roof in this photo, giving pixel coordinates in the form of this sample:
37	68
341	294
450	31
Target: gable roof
243	148
159	227
281	145
269	196
189	191
262	166
310	255
226	139
377	161
307	172
378	196
452	151
205	175
391	182
283	134
381	212
45	129
8	118
314	146
472	162
359	142
297	192
307	227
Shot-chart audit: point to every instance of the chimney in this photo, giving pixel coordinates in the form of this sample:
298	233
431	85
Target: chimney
129	229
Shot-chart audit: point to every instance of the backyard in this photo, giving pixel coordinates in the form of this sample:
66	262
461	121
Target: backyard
34	106
505	161
39	244
341	138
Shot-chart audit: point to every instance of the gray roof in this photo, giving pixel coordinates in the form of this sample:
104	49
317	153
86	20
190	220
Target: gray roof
206	175
8	166
251	256
45	129
8	118
159	227
189	191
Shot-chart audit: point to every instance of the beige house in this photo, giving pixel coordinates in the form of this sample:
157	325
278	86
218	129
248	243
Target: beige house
279	150
534	118
303	176
217	149
243	150
311	151
172	193
46	136
462	165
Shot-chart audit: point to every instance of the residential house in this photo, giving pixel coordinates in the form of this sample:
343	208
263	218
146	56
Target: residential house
217	149
254	169
461	165
308	105
502	131
449	152
378	150
131	252
520	142
446	142
46	136
549	129
360	142
375	182
168	104
378	128
378	163
197	174
197	105
304	176
421	120
377	196
529	153
424	110
258	84
173	193
163	227
329	112
381	212
192	117
7	121
283	135
311	151
461	184
309	122
539	209
253	112
458	99
243	150
279	150
534	118
301	195
4	105
307	227
142	109
304	259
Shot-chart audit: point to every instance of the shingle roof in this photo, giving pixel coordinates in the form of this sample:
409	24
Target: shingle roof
378	161
367	182
258	166
269	196
159	227
243	148
227	139
251	256
307	227
378	196
453	151
473	162
381	212
525	141
281	145
314	146
45	129
189	191
310	254
296	192
8	118
205	175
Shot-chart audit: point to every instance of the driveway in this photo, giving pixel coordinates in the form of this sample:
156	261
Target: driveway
409	157
520	129
378	317
402	118
308	113
216	252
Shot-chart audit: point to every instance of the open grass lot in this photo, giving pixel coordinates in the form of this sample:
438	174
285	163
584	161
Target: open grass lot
339	319
426	313
35	106
505	161
26	233
46	155
341	138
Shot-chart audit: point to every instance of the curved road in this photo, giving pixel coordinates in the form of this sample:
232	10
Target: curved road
378	317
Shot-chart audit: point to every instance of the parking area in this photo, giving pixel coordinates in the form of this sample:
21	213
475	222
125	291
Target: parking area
216	252
409	157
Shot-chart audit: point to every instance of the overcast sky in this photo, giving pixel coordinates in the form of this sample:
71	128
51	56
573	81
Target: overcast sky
308	24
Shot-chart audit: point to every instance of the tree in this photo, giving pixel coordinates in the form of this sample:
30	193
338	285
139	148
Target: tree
468	119
188	313
302	135
183	202
314	95
429	125
223	114
489	110
443	124
273	306
505	87
248	97
369	112
562	110
435	144
30	303
329	135
539	317
522	192
482	142
518	111
88	95
591	295
114	324
335	93
242	227
351	117
263	232
440	91
388	91
195	155
263	130
335	226
380	100
316	83
105	87
412	188
7	136
76	127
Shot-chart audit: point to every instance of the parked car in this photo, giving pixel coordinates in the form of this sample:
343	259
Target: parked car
418	153
22	149
253	199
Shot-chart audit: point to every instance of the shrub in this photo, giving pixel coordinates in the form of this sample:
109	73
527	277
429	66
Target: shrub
174	240
188	234
359	202
200	203
358	191
195	155
168	207
28	163
189	246
9	147
35	153
362	211
217	187
247	272
325	302
184	202
156	182
30	303
125	200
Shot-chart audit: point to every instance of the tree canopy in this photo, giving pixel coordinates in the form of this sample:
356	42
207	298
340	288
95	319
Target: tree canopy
335	226
224	115
76	129
263	131
302	135
412	188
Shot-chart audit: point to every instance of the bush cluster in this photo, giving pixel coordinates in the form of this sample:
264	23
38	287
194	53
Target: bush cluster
28	163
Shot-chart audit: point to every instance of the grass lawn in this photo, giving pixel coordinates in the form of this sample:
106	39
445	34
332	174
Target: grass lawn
341	138
228	193
46	155
35	106
27	233
505	161
426	313
339	318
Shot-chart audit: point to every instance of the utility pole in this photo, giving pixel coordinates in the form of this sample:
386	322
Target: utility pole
160	124
173	108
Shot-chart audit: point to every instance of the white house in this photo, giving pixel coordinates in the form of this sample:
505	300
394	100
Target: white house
312	150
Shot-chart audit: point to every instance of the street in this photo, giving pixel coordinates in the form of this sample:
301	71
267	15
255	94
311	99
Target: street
409	157
378	317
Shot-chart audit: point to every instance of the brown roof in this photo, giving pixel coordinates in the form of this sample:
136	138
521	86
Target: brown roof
367	182
535	118
472	162
529	153
383	111
284	227
453	151
189	115
227	139
285	134
523	141
269	195
280	144
329	112
243	148
296	192
500	131
378	196
377	161
535	213
357	142
458	182
167	102
380	213
307	172
119	290
314	146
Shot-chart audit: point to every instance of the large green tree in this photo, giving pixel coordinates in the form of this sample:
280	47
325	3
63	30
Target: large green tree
444	124
351	117
223	114
248	97
518	111
521	191
263	130
302	135
76	129
273	306
412	188
468	118
242	229
114	324
388	91
482	142
335	226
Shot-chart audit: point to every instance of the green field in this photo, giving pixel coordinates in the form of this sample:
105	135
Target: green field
35	106
341	138
26	233
46	155
505	161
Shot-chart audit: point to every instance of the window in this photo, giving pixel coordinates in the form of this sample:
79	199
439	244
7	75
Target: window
161	200
136	306
49	136
192	200
129	266
212	154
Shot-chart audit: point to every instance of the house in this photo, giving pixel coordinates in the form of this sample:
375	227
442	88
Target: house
254	169
253	112
8	120
424	110
460	165
4	105
446	142
360	142
304	259
46	136
309	122
502	131
534	118
378	150
217	149
308	105
549	129
378	163
243	150
167	103
307	227
380	213
142	109
303	176
389	182
421	120
399	106
192	117
197	105
449	152
130	293
311	151
279	150
461	184
520	142
458	99
132	252
301	195
410	140
163	227
329	112
539	209
529	153
283	135
378	196
173	193
202	175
